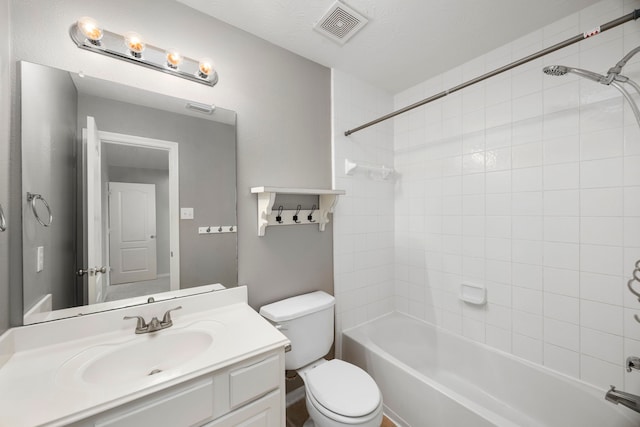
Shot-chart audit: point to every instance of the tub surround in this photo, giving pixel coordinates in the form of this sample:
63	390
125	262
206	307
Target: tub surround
33	372
429	376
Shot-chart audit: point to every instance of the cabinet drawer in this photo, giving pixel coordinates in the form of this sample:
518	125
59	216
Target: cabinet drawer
265	412
187	407
252	381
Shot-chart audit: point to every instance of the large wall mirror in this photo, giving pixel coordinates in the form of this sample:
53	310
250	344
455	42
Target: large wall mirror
127	194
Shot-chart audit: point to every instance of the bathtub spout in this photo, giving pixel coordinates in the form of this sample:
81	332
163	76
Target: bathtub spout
629	400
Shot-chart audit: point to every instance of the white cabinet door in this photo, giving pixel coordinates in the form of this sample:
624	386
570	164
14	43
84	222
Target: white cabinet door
264	412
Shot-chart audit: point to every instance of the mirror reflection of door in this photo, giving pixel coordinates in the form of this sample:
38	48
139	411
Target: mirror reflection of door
131	210
132	232
96	285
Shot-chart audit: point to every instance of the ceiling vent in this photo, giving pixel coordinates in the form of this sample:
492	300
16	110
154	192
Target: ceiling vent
340	23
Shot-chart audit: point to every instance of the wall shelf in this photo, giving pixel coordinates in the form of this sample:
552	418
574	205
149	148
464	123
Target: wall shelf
327	200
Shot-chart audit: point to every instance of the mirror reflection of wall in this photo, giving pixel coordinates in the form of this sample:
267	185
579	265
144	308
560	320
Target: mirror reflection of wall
55	107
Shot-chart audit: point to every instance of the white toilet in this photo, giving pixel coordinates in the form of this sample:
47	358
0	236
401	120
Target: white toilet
338	394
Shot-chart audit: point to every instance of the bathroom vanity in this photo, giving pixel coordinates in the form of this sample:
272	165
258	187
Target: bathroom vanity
219	364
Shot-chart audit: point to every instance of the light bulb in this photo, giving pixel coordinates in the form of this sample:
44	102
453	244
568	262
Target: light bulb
91	29
173	58
135	44
205	68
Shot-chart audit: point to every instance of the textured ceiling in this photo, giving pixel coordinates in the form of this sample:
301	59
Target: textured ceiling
405	41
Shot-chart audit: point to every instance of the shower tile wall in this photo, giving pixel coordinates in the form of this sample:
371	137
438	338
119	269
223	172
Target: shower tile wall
363	226
530	185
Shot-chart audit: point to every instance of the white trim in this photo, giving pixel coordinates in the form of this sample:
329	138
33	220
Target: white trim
296	395
174	185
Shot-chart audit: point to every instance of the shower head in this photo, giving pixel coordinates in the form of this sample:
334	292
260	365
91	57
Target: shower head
561	70
555	70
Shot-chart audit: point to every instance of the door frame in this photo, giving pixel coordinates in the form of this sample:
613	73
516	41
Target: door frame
174	200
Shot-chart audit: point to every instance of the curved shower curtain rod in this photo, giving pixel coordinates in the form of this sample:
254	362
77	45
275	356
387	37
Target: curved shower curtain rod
597	30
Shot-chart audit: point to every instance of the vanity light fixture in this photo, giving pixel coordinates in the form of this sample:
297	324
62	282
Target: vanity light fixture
135	44
173	59
131	47
91	30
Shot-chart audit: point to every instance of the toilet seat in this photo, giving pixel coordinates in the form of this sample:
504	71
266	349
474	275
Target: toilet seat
341	419
342	390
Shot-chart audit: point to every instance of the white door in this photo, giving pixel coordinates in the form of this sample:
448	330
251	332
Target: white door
96	258
132	232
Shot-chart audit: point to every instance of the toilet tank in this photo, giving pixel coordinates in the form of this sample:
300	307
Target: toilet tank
307	320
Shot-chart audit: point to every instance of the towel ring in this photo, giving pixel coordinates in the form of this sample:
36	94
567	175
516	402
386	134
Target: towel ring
3	221
32	198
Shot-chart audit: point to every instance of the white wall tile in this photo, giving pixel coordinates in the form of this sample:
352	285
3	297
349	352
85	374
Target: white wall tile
562	334
526	155
562	229
562	255
527	300
498	338
561	281
601	345
601	173
527	179
562	307
562	360
500	182
562	203
527	347
599	372
527	227
601	259
602	317
527	275
564	176
601	202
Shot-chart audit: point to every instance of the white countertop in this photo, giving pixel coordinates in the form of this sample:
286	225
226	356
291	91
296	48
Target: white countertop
35	391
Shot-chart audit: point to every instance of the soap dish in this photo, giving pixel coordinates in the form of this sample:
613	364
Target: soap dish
473	293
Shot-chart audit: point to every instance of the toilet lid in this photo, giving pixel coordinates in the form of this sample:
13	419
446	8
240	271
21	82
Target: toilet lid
343	388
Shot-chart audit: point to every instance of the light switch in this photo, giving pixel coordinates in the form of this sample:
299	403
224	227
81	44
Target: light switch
40	259
186	213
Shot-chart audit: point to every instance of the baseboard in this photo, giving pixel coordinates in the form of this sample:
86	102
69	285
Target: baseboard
295	396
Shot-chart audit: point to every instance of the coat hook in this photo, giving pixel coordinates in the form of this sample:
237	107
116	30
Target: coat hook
220	229
295	217
279	216
310	216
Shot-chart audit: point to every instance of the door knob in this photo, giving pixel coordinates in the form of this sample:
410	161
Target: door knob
92	271
152	237
82	272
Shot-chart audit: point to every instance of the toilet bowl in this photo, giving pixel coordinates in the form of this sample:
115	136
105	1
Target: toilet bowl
338	394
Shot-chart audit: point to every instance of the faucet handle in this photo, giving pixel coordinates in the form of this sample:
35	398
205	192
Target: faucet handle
141	325
166	319
633	362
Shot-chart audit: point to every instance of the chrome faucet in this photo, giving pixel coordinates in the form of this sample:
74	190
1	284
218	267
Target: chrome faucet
629	400
154	325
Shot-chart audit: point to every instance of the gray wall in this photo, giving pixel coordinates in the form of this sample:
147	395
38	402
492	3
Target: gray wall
49	109
207	152
283	106
5	114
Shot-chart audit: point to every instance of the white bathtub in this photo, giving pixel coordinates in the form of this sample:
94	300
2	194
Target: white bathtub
431	378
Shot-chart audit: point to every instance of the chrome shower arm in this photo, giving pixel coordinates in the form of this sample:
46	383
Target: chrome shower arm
617	69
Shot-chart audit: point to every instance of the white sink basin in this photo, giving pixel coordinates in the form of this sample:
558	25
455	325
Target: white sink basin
138	357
